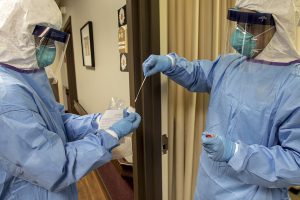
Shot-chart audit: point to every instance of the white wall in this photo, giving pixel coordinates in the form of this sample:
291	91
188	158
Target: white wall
96	87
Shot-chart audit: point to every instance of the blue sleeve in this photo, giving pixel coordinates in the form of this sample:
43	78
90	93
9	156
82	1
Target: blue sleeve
196	76
277	166
35	154
78	126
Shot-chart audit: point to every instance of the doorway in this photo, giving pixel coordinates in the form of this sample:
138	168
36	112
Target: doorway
144	40
70	89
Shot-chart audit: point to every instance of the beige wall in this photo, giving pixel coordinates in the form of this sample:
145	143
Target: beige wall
96	87
163	5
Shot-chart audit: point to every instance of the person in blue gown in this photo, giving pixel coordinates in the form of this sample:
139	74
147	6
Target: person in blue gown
251	143
43	150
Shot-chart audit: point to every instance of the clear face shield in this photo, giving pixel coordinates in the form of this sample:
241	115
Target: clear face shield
51	45
249	32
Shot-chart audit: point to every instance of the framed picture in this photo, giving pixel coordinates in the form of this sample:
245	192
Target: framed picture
123	62
122	18
87	45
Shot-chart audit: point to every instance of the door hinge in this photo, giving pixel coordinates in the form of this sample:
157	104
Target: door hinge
164	140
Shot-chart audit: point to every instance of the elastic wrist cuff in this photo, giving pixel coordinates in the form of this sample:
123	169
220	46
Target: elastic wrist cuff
108	141
112	133
172	60
236	148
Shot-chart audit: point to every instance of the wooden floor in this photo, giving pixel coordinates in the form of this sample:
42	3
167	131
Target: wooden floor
295	197
90	188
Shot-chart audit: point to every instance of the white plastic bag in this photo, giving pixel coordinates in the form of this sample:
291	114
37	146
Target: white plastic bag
113	114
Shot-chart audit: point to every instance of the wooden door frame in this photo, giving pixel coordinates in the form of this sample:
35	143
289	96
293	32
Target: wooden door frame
71	67
144	39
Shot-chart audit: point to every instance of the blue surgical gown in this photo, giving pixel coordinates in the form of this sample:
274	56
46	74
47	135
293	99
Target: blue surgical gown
257	105
44	151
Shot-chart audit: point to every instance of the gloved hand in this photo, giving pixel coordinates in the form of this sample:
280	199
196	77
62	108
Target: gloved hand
129	123
217	147
156	63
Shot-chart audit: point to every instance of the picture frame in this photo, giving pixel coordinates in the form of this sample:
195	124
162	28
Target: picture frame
123	62
122	17
87	45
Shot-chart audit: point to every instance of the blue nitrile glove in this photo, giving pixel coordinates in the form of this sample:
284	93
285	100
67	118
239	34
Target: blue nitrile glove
156	63
217	147
128	124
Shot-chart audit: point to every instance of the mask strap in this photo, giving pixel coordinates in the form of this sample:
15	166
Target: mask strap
256	50
263	33
238	27
45	40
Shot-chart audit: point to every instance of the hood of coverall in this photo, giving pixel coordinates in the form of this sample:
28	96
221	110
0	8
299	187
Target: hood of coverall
18	20
286	13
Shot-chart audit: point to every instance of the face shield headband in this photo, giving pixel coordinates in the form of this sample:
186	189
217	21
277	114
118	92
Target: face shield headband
250	17
50	33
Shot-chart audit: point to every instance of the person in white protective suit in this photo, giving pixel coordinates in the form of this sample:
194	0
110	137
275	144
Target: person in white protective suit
251	145
43	151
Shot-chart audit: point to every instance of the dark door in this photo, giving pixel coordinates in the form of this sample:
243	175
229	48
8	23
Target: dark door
71	92
144	39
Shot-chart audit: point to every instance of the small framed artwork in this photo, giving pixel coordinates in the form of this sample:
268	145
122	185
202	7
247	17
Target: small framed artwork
122	18
123	62
87	45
